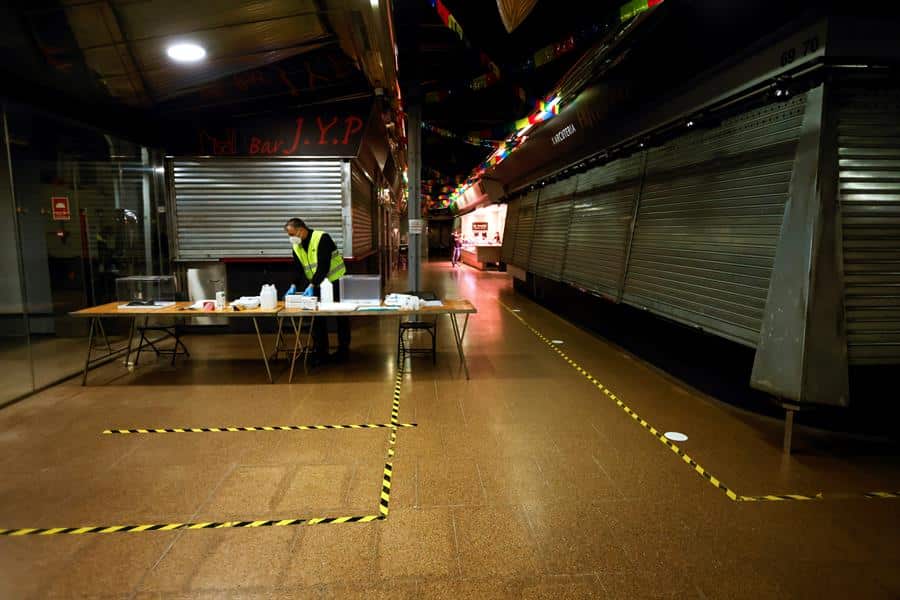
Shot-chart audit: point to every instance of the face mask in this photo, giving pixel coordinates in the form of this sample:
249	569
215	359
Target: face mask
295	241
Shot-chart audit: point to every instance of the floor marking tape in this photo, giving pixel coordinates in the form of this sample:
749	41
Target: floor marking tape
715	482
192	526
383	501
392	425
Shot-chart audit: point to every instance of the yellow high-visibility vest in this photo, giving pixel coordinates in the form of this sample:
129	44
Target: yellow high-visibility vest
309	259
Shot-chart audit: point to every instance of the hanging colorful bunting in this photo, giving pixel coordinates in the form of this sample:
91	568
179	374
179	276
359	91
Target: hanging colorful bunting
548	53
473	140
546	110
454	26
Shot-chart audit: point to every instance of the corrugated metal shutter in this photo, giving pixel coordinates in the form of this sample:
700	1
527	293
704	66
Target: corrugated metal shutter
869	162
361	199
601	217
509	231
548	247
237	207
705	237
525	230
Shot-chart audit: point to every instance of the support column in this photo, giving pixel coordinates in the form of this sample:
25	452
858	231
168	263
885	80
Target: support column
802	351
414	208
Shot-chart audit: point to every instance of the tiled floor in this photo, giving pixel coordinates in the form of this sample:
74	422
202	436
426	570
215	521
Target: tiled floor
525	481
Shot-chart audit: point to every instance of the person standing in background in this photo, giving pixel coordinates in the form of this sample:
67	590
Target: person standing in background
456	248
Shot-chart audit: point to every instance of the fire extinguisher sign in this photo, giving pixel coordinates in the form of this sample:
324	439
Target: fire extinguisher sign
60	206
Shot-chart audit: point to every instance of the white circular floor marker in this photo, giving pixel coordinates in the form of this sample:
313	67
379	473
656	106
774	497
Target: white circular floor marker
675	436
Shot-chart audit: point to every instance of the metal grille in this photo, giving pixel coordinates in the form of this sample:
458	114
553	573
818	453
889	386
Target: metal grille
704	242
361	194
869	163
237	207
595	256
548	247
601	216
524	230
509	231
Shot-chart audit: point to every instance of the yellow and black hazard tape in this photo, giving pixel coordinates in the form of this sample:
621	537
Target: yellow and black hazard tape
395	406
882	495
730	493
178	526
383	502
392	442
260	428
780	497
385	499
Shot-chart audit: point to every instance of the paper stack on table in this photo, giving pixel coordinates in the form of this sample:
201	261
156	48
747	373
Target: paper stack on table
142	305
336	307
300	302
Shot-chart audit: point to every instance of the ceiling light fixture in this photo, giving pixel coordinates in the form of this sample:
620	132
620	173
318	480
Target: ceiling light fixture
186	52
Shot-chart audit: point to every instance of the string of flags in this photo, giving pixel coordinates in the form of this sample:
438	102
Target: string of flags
545	111
538	59
468	139
453	25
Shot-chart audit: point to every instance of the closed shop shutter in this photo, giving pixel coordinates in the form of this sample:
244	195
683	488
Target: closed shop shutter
238	207
524	230
509	231
548	247
601	217
869	163
709	221
363	206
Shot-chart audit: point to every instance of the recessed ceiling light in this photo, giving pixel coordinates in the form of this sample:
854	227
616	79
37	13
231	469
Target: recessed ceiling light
186	52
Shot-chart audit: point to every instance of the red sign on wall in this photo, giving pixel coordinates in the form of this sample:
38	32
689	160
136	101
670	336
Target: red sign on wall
60	208
479	226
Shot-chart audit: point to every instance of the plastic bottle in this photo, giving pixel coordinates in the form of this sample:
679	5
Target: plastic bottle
268	297
327	292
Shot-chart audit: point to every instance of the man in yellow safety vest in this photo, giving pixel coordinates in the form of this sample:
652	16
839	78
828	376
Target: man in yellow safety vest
317	258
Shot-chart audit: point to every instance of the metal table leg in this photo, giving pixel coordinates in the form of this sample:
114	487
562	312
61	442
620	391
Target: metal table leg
312	324
297	329
262	349
105	338
278	336
131	332
87	359
459	346
465	326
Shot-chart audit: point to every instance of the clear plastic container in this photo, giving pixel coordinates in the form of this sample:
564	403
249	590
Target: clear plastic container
146	288
362	290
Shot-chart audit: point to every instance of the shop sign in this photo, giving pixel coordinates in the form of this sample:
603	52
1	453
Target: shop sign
481	226
60	206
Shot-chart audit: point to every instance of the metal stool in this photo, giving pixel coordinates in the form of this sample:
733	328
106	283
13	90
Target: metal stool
405	348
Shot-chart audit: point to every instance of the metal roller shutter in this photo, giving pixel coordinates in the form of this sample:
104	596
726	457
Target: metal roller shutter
509	231
869	163
524	230
705	238
595	257
601	217
548	247
361	201
237	207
